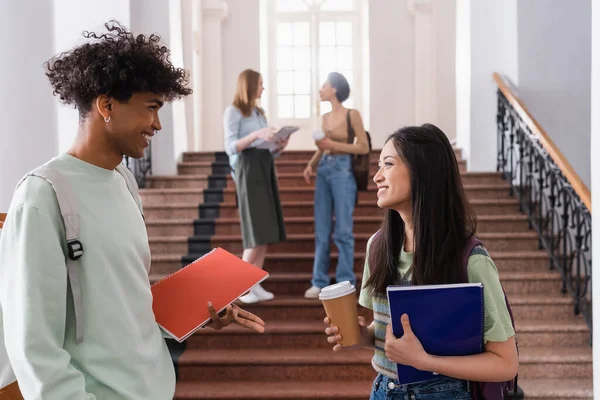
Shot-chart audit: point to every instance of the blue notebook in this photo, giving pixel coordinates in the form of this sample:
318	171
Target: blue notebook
447	319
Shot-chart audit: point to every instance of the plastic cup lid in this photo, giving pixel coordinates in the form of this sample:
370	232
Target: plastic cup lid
318	135
337	290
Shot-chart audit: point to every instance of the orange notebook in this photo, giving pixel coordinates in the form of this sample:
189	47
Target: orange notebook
180	300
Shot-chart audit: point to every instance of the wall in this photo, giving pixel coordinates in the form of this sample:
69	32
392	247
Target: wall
153	17
27	110
71	18
554	81
444	12
392	38
241	43
595	187
486	43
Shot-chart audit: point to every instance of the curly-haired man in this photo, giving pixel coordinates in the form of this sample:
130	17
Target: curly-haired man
118	82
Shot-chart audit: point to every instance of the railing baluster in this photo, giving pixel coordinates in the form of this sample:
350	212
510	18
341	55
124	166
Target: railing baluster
141	167
555	210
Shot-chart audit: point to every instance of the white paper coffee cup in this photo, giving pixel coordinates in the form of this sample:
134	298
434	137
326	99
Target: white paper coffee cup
318	135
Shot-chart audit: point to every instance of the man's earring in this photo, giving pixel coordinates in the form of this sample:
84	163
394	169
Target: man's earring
107	119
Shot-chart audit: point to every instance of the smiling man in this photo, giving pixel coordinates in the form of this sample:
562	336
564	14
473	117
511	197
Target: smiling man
94	337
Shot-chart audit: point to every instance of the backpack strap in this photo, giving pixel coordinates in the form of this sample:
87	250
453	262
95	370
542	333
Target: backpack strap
351	133
69	209
132	185
472	243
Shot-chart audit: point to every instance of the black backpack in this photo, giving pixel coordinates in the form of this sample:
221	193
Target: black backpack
360	162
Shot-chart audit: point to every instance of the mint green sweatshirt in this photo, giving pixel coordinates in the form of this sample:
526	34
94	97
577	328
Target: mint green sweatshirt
123	355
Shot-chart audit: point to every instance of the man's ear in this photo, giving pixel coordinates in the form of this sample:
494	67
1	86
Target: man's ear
104	106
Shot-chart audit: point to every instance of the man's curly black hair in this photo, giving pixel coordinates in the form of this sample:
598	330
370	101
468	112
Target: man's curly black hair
117	64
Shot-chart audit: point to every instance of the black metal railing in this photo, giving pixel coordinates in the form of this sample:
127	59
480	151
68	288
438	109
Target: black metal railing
140	167
555	210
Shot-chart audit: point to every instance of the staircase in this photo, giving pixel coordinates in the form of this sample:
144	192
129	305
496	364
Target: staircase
189	214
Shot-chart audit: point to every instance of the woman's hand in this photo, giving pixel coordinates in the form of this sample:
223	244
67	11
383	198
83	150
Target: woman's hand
282	144
334	337
234	314
407	350
308	171
325	144
264	133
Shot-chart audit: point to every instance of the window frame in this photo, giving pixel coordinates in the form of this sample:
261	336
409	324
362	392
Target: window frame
314	16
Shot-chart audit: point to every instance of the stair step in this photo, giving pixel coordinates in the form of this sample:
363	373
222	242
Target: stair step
296	308
287	390
555	362
296	243
282	365
538	389
500	190
300	156
291	193
192	179
296	283
305	225
569	332
367	224
319	365
558	389
171	196
177	181
305	209
509	261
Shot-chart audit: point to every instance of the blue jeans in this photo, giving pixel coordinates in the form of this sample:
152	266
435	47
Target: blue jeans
441	388
335	194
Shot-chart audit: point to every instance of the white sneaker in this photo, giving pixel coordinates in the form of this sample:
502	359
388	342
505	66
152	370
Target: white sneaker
262	294
257	294
312	293
250	298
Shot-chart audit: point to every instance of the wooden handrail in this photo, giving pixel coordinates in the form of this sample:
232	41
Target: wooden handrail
2	219
572	177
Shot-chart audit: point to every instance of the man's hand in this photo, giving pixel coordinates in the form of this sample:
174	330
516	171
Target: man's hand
234	314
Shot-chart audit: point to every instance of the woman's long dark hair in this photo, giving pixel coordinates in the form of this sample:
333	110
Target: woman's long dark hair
443	218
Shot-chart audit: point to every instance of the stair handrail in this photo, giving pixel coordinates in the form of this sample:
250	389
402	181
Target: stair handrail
557	156
551	194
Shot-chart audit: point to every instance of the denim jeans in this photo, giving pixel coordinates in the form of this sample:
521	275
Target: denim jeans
441	388
335	195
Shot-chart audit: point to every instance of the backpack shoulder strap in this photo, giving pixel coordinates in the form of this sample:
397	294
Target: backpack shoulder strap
351	133
69	210
470	247
131	185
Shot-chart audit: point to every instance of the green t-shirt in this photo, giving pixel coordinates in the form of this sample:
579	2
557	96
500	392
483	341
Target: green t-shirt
480	268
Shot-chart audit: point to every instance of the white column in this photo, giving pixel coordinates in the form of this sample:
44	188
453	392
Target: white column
425	61
187	17
28	137
444	26
486	43
197	44
148	17
71	18
215	12
180	123
595	188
